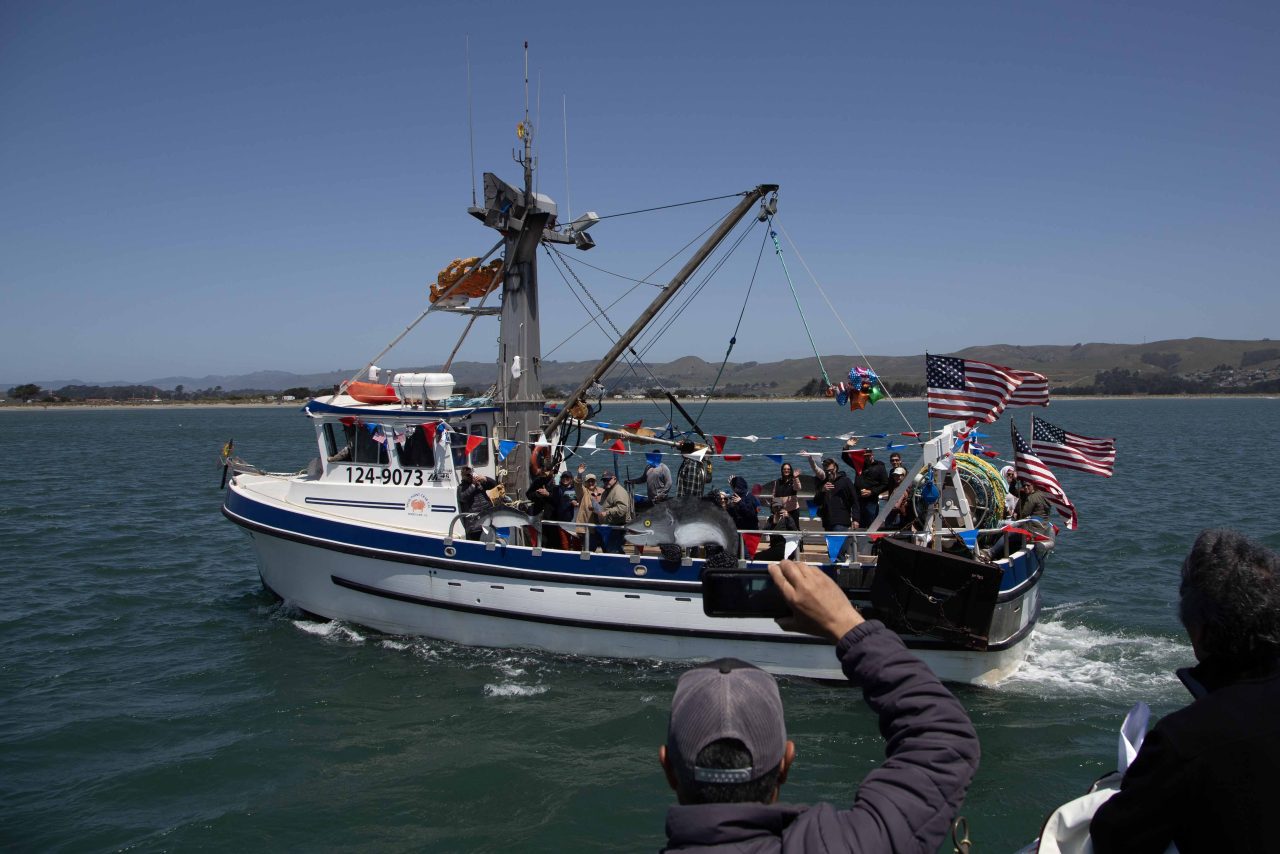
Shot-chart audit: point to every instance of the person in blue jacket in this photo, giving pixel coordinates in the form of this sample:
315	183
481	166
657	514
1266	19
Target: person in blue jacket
727	754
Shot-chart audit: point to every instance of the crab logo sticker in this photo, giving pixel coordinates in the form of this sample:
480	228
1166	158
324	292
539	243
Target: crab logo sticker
417	505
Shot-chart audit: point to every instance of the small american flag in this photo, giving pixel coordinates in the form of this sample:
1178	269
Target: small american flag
1034	390
963	388
1029	467
1058	447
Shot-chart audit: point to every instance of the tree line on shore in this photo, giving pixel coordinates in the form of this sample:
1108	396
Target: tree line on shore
1116	381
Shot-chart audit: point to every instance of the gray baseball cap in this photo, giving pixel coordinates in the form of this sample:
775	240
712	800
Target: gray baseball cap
726	698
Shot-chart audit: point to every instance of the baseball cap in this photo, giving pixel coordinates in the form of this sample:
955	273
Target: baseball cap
899	470
726	698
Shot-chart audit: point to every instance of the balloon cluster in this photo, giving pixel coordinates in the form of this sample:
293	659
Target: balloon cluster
862	388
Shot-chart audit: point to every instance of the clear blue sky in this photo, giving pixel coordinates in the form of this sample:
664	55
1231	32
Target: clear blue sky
194	188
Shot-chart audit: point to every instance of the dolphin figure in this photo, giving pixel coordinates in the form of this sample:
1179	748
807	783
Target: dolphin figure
687	522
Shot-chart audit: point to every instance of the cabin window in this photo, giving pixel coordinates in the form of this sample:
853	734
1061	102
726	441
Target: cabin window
334	441
458	441
353	444
480	456
367	450
417	451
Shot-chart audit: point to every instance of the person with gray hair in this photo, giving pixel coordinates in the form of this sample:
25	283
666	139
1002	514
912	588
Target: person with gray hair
1205	777
727	754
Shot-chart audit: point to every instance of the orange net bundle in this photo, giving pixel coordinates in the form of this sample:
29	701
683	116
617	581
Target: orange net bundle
480	282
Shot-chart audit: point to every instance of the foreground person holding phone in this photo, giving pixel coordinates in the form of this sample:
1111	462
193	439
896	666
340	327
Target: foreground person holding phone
727	754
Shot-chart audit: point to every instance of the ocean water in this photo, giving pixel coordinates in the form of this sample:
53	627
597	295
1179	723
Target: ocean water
154	697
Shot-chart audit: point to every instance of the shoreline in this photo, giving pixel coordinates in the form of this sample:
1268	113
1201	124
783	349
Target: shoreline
124	407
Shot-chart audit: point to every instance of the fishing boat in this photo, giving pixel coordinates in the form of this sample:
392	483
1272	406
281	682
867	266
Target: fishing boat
372	533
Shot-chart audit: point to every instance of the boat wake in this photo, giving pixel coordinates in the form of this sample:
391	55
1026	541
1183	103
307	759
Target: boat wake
332	630
1067	658
512	677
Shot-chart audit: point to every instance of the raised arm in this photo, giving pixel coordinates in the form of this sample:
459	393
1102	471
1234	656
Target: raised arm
931	748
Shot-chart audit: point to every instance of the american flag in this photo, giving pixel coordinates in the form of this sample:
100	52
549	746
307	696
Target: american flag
963	388
1034	390
1058	447
1029	467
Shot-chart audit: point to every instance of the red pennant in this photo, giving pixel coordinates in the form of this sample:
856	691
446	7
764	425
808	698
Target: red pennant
992	454
811	438
634	425
348	421
750	542
617	447
430	430
1031	535
732	458
911	434
719	443
473	442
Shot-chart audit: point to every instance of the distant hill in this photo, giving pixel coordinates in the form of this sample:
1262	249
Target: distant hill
1078	364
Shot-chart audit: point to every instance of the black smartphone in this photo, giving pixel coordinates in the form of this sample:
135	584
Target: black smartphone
741	593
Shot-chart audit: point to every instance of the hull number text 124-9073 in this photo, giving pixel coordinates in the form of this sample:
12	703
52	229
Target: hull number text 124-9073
388	476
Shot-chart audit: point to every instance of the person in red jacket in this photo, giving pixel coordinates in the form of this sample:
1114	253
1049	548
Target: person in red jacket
727	754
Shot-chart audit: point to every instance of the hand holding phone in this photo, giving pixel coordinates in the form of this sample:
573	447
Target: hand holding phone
818	605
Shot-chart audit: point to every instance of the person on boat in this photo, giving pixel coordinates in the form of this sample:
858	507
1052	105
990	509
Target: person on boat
836	500
786	489
553	501
657	481
692	477
1205	776
1032	504
473	499
743	507
616	511
1011	491
586	507
780	519
903	512
727	754
895	462
872	479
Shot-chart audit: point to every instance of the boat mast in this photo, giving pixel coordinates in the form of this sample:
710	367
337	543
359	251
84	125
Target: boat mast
524	220
722	231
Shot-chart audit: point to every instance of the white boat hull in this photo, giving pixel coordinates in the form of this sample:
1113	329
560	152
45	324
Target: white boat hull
469	607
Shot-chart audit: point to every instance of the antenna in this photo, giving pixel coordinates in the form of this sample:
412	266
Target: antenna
525	132
471	125
568	208
539	115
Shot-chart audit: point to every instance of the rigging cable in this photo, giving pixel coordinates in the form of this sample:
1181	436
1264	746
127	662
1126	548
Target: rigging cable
777	248
733	339
688	298
676	205
562	267
430	308
628	291
840	320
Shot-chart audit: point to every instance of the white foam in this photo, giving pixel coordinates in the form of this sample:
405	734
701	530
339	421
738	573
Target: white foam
1065	659
332	630
398	646
512	689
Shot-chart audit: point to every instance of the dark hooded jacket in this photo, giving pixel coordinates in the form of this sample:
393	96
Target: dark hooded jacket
907	804
745	512
836	506
473	498
1205	778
